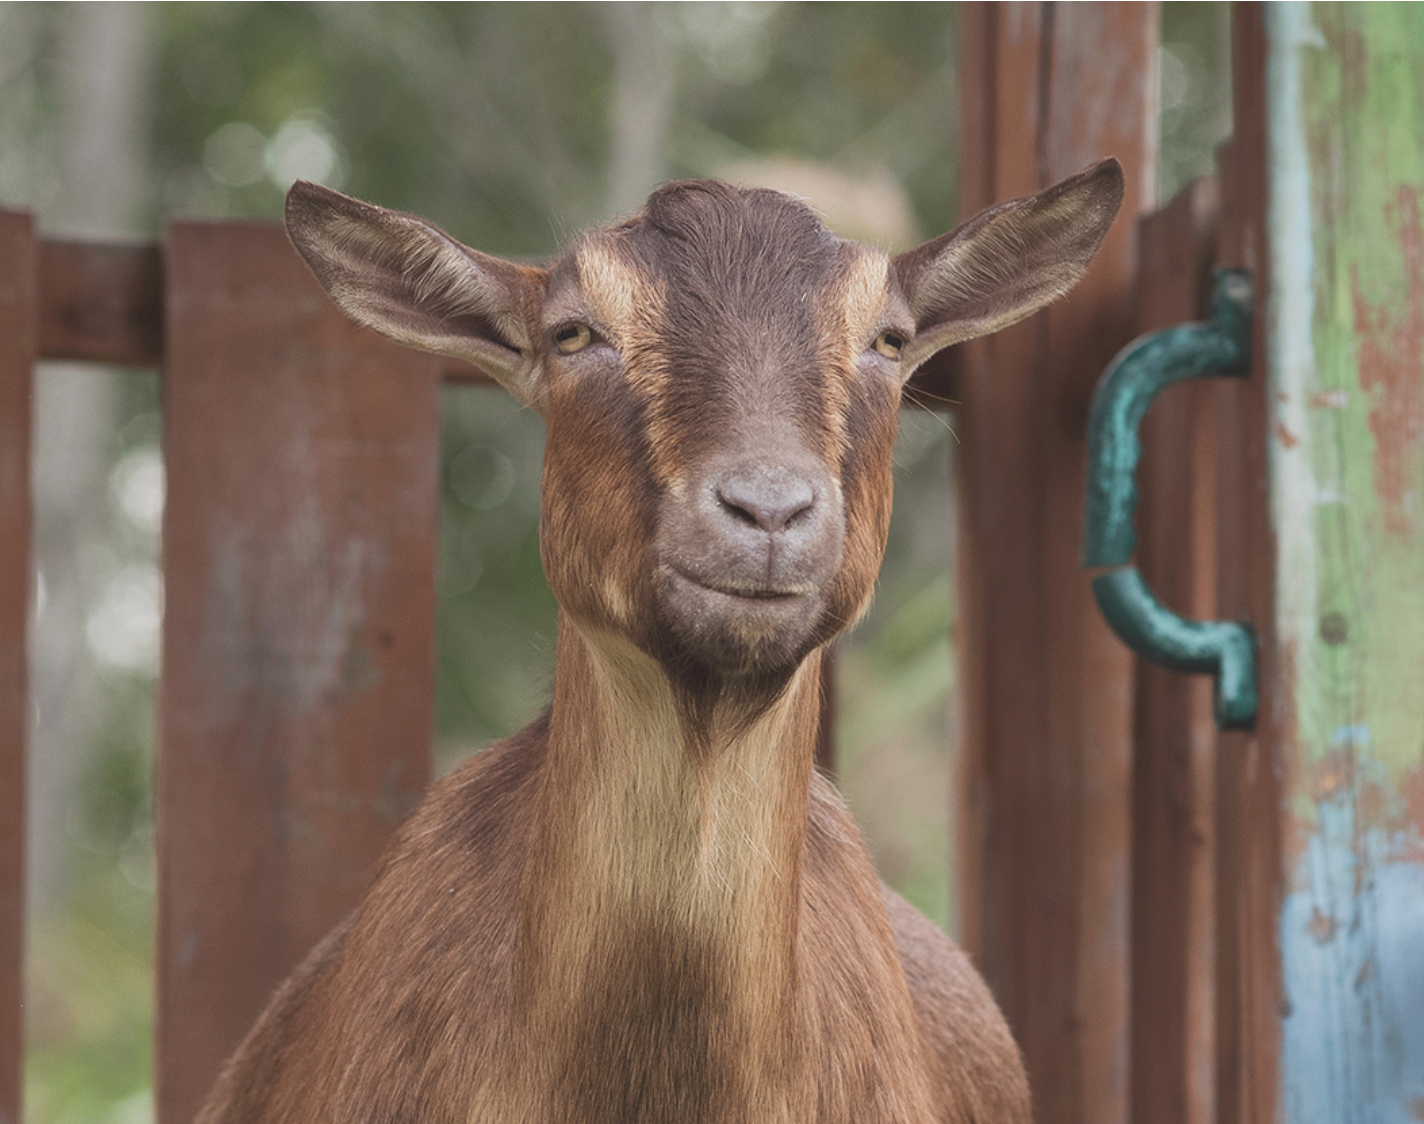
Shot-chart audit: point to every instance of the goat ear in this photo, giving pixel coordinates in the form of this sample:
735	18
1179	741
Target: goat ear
1007	262
414	283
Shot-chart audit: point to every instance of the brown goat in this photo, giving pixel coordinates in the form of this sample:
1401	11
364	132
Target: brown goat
648	906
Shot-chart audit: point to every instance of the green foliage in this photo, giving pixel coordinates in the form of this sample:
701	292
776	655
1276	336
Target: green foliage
496	635
852	85
90	1003
1195	65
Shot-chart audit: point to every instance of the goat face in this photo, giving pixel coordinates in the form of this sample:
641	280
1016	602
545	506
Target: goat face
717	477
720	377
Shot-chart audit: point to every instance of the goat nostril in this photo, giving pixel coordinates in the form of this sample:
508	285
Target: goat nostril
798	514
738	512
766	509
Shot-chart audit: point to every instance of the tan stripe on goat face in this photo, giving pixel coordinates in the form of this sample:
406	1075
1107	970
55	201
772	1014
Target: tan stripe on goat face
720	428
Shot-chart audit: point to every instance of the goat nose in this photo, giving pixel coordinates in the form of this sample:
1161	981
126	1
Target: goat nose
769	499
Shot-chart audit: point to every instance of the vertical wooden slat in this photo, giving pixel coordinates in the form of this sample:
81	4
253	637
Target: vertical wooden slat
977	63
1047	90
19	315
1248	785
299	565
1326	977
1173	927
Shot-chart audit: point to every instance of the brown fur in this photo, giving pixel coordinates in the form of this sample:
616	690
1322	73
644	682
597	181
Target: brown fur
734	1016
646	907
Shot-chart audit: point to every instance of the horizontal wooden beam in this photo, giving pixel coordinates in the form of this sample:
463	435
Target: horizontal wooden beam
103	303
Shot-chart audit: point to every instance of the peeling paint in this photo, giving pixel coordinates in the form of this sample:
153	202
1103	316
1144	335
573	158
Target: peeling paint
1354	1041
1295	490
1391	357
1346	95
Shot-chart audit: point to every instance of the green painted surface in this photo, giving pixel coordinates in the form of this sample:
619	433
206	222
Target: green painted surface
1363	124
1347	363
1360	660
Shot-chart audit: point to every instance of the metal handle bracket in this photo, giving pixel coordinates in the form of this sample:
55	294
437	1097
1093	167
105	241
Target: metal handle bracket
1145	368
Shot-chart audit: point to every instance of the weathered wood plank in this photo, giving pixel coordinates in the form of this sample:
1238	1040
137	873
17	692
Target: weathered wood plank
18	314
101	302
299	563
1248	786
1047	706
1345	99
1173	915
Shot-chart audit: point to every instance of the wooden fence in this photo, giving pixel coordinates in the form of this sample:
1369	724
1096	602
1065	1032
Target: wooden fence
1123	867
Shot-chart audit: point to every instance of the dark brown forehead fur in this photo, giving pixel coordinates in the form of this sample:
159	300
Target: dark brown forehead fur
721	258
748	250
743	277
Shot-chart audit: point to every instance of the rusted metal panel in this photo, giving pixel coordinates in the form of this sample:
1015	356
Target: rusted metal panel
1173	897
18	314
1345	97
299	565
1048	689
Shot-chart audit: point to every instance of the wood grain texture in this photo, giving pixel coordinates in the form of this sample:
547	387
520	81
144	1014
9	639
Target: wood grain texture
1345	442
1248	764
1047	90
298	643
101	302
18	314
1173	917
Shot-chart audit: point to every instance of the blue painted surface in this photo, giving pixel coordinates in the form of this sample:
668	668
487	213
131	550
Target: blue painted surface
1352	940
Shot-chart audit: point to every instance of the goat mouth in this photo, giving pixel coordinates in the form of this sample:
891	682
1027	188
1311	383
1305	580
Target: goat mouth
739	625
746	591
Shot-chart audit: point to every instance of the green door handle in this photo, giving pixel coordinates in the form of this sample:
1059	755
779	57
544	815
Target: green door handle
1146	367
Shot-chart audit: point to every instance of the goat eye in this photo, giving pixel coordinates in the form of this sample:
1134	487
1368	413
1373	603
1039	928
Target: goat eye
569	338
889	344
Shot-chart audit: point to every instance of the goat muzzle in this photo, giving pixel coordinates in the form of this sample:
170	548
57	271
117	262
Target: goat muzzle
745	555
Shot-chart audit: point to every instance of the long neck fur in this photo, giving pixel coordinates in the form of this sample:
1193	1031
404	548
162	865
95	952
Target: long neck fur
658	915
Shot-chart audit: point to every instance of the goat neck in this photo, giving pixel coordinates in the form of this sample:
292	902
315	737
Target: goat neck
665	881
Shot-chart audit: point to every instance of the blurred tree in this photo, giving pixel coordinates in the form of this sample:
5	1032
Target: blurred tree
78	98
100	148
641	106
1194	69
